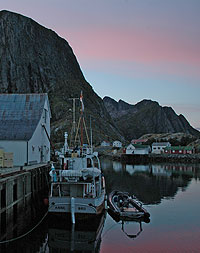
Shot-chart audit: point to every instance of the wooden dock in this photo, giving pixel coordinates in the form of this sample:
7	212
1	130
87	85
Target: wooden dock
18	188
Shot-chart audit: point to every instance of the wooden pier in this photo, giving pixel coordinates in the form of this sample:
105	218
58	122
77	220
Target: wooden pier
19	186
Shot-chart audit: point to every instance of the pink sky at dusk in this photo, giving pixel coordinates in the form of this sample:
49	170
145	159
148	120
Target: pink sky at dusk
130	49
140	46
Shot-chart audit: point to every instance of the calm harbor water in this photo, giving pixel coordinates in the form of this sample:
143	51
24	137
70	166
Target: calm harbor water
170	193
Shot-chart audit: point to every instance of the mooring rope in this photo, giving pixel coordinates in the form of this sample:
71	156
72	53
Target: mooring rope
21	236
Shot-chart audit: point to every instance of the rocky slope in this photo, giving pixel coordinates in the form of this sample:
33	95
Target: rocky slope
35	59
146	117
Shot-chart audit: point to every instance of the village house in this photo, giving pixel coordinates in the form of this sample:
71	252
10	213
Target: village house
25	127
179	150
117	144
137	149
105	144
158	147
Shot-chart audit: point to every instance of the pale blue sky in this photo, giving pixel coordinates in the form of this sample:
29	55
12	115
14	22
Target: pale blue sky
130	49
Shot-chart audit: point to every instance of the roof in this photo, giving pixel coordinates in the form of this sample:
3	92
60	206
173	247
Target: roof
160	144
20	115
139	140
141	146
138	146
179	148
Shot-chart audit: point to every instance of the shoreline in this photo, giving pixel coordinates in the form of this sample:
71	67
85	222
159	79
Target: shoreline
154	158
107	152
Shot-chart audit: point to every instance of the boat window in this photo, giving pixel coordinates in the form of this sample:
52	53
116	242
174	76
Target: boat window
76	190
65	190
89	163
56	190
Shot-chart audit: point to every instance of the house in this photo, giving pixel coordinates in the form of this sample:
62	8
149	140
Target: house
25	127
105	144
179	150
137	149
158	147
117	144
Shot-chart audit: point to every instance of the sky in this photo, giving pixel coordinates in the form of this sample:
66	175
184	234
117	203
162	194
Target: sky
130	49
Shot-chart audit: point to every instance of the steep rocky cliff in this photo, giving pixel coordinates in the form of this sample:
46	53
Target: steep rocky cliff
35	59
146	117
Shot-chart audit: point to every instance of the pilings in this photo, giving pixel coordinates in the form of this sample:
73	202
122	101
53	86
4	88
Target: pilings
18	188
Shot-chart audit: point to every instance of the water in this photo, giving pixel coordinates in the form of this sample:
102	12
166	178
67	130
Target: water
170	194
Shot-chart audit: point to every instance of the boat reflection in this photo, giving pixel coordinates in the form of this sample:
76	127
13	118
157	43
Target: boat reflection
80	237
124	222
132	236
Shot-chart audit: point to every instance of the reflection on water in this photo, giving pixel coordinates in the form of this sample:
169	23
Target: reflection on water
124	224
149	183
25	220
82	237
171	192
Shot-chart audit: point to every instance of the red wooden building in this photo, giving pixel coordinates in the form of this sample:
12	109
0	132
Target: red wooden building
179	150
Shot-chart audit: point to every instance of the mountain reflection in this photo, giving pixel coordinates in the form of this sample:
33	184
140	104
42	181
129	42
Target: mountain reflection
149	183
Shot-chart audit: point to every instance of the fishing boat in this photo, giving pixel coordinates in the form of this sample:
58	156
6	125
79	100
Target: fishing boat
126	207
78	186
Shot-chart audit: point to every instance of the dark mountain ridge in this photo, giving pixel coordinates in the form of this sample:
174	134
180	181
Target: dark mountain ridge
35	59
146	117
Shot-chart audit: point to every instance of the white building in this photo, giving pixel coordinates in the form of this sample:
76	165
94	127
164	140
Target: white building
158	147
105	144
136	149
117	144
25	127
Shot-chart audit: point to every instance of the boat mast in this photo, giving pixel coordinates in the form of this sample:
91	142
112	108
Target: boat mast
91	133
74	119
82	110
81	123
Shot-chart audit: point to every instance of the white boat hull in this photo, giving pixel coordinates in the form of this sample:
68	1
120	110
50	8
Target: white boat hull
79	206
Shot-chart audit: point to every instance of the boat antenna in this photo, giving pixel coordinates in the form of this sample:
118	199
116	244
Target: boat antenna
82	110
81	123
74	118
91	133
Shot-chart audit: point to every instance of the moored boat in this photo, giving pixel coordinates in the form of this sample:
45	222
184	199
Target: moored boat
126	207
78	186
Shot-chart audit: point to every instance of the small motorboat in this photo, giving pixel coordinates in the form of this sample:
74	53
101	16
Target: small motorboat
126	207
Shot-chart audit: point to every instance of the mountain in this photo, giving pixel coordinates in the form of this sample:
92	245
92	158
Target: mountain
35	59
146	117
